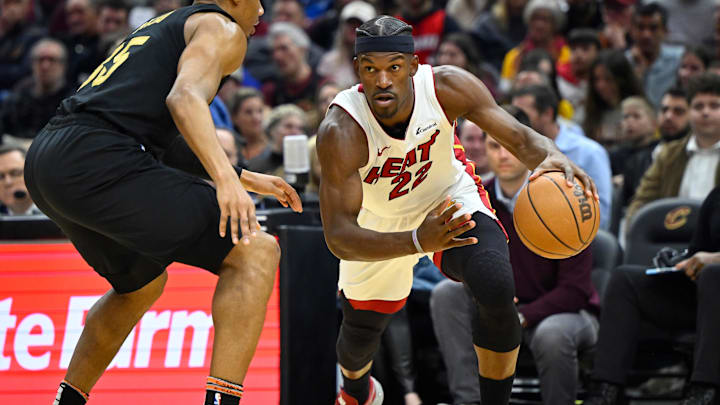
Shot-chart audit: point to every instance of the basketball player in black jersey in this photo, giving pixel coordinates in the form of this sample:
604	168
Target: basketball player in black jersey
475	248
113	172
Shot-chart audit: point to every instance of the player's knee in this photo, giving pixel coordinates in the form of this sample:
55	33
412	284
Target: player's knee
262	251
355	348
488	275
267	246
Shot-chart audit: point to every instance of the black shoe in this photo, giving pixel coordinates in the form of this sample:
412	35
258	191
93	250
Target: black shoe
701	395
604	394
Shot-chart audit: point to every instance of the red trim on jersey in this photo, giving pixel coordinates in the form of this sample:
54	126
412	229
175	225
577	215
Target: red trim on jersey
438	98
382	306
437	260
358	124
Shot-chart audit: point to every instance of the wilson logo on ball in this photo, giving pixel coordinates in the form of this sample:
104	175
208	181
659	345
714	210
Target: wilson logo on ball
585	208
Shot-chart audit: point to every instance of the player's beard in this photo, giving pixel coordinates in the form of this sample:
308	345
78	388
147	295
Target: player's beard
388	112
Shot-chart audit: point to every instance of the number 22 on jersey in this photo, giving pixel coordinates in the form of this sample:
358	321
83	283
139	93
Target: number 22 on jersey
117	58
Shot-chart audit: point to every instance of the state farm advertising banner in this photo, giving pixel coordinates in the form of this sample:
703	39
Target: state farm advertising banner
45	293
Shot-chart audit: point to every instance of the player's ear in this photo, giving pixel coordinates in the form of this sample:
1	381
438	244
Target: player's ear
414	62
356	66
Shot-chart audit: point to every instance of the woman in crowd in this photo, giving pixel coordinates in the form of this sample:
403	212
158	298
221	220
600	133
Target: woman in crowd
612	80
695	61
457	49
283	120
247	110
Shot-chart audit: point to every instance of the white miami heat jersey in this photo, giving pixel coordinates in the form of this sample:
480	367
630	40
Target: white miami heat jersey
401	182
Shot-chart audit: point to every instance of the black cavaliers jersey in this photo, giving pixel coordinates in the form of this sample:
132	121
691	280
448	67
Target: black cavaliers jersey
129	88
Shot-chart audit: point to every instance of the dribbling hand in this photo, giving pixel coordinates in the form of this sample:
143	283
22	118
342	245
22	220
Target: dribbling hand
236	205
556	161
440	232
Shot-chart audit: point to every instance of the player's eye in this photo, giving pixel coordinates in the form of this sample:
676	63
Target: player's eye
369	69
395	68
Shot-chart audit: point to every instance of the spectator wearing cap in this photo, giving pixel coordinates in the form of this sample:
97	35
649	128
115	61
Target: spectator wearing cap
34	99
572	80
328	22
617	18
296	82
337	64
545	19
499	29
655	62
430	24
17	37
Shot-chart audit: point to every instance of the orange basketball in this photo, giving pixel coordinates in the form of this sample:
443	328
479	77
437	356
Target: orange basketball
553	220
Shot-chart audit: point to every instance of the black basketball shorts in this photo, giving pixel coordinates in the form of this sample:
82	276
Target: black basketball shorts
128	215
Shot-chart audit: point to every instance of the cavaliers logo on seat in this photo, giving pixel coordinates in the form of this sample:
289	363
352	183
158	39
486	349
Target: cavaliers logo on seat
677	218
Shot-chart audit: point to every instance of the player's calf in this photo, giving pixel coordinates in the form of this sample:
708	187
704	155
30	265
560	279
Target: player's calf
238	309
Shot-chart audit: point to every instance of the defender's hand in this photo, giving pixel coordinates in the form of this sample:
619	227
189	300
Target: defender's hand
272	185
556	161
236	204
439	232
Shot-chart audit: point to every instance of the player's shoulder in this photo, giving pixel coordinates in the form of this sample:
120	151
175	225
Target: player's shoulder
449	75
215	25
338	123
340	135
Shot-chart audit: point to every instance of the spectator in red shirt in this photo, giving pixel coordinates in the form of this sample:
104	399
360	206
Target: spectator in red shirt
430	24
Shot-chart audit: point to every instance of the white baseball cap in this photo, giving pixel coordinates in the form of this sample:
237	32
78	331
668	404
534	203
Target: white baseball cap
359	10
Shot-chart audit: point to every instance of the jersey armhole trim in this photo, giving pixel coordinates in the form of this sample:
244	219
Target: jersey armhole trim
437	99
357	122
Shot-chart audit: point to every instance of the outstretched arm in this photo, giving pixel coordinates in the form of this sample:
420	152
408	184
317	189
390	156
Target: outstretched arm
342	149
464	95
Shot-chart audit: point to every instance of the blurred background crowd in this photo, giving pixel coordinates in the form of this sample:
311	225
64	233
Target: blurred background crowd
627	89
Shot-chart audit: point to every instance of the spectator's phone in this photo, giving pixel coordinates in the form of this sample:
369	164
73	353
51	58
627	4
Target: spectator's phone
661	270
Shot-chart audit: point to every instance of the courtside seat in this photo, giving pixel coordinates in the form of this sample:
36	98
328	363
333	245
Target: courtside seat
665	222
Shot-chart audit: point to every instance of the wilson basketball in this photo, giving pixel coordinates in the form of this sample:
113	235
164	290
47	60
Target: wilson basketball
553	220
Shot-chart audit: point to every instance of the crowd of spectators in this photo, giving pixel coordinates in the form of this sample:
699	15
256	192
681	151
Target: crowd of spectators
628	89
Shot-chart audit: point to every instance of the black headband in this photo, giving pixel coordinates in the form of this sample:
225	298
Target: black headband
396	43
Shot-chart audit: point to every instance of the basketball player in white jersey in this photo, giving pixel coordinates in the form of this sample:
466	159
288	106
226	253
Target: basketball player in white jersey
393	190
